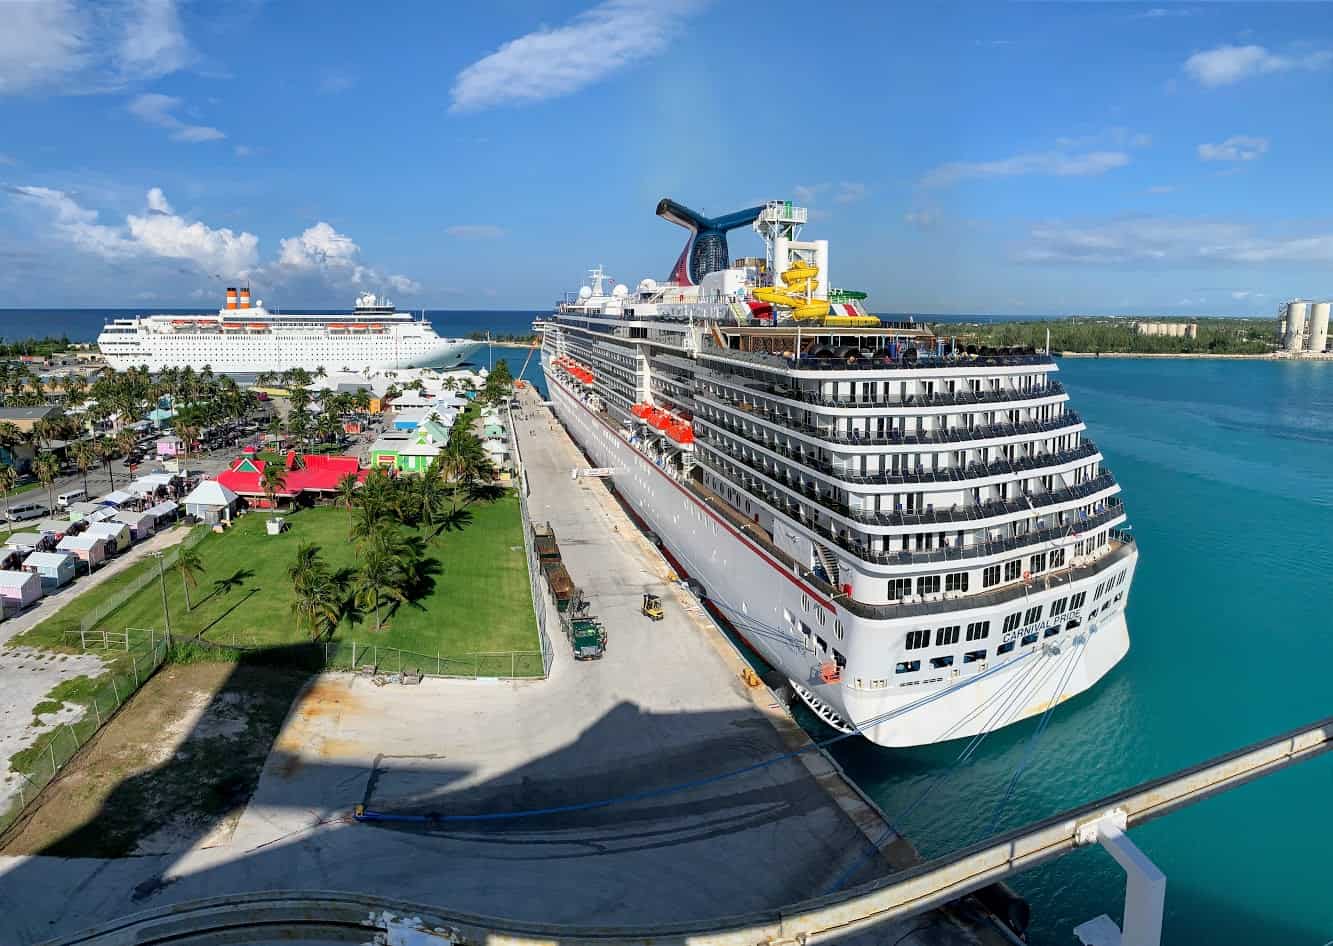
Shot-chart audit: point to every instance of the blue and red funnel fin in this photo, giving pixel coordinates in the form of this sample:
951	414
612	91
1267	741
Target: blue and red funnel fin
706	251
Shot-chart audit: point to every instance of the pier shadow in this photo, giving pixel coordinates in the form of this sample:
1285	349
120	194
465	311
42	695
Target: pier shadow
762	839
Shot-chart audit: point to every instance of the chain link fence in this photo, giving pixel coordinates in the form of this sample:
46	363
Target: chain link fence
543	603
37	765
112	602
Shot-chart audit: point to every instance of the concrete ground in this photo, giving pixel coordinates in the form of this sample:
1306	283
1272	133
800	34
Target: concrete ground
666	705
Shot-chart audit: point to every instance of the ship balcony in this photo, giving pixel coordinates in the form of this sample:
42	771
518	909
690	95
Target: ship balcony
972	475
1120	547
937	402
1111	511
985	515
973	436
810	367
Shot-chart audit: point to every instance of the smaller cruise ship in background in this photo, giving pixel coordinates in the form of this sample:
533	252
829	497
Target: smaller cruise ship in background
245	337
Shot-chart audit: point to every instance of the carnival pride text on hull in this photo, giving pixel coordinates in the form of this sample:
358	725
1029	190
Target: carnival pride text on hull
917	534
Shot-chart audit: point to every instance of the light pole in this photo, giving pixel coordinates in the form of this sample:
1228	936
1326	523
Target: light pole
162	582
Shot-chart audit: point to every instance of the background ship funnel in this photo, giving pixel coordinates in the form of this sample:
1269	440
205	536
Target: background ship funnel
706	250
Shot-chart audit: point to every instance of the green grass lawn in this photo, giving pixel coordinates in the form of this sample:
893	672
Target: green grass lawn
480	599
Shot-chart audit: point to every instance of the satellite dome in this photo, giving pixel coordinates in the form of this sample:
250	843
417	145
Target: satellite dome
585	292
648	285
621	291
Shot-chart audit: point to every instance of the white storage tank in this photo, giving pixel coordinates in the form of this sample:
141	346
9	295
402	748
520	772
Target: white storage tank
1297	313
1318	327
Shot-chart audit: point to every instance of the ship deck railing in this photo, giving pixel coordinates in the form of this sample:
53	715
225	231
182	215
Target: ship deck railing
920	475
854	438
1121	545
885	363
957	514
938	399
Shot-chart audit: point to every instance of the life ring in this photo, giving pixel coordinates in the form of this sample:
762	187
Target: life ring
1027	576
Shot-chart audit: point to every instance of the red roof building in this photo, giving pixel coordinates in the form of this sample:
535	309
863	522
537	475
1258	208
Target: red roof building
308	473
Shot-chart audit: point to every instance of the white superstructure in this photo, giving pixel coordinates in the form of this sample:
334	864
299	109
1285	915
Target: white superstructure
920	538
245	338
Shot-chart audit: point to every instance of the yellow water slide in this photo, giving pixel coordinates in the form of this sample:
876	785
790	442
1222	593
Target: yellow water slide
799	279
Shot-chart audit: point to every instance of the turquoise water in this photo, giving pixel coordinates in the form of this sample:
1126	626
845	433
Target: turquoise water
1227	470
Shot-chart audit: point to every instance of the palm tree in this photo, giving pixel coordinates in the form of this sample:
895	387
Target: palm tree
316	603
47	468
84	457
271	480
428	496
346	496
384	574
188	563
188	422
9	478
107	450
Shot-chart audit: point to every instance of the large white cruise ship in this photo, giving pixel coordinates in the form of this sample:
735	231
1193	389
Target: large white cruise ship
244	338
916	533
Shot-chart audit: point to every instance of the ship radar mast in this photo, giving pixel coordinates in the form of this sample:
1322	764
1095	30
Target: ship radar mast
596	277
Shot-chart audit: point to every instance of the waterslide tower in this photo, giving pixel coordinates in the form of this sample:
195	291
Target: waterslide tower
779	223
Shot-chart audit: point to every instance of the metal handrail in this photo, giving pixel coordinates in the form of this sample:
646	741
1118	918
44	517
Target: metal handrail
937	399
1067	418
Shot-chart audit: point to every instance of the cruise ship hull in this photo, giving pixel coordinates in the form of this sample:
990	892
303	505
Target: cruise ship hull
335	354
774	610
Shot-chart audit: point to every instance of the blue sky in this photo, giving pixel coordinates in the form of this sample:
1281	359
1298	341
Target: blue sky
1033	158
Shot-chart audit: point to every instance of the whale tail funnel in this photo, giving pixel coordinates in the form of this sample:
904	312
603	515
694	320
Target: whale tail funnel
706	250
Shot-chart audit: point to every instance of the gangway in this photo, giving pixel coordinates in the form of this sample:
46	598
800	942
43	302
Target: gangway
592	471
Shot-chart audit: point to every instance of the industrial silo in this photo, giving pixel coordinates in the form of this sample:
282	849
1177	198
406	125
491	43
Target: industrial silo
1297	314
1318	327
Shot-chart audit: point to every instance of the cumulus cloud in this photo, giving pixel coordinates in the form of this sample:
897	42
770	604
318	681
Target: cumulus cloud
1052	163
475	231
1235	148
333	259
1225	65
157	109
550	63
82	46
319	258
1169	240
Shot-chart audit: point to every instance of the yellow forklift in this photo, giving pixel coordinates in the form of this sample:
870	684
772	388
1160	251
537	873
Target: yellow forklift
652	607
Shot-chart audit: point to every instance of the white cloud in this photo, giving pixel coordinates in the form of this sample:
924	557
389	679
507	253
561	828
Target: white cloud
1117	136
1225	65
1235	148
850	192
157	109
82	46
475	231
1054	163
549	63
76	224
153	44
243	151
806	193
317	260
333	259
334	82
922	219
1157	13
1170	240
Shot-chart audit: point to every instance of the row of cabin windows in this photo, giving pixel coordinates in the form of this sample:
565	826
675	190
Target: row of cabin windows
959	581
974	656
944	636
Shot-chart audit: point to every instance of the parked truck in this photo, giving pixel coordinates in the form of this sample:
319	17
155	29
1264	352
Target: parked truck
587	636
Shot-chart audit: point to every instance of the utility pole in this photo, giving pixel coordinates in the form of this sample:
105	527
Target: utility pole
162	581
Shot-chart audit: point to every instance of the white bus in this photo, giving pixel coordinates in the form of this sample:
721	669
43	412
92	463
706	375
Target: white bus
25	510
72	496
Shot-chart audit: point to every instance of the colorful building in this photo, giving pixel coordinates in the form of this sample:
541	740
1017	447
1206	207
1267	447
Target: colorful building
306	477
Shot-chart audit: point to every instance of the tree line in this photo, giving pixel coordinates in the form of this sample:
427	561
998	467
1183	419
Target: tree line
1215	336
